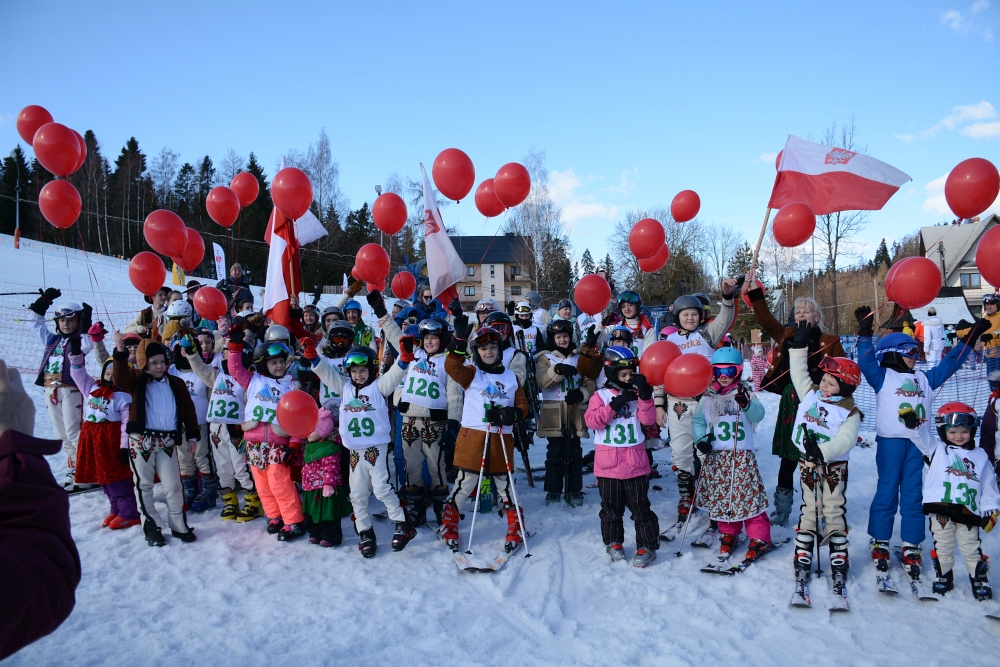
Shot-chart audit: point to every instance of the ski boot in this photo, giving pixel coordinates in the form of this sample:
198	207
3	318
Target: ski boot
274	526
190	490
120	524
184	537
839	562
803	558
367	545
69	481
782	506
756	549
230	504
980	583
945	583
575	499
154	537
913	559
643	557
331	535
439	495
404	533
449	525
514	529
551	498
880	555
416	505
208	495
290	532
615	551
252	508
726	543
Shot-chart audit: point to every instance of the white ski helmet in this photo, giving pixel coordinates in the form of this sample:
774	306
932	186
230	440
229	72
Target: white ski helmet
66	309
179	309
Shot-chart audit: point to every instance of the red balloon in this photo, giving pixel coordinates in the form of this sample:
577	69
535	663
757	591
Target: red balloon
646	238
512	184
375	287
298	413
403	284
165	233
793	225
30	119
592	294
372	263
210	302
453	173
83	150
292	192
770	356
194	251
354	273
486	200
56	148
389	213
655	359
246	187
916	283
986	257
746	297
685	205
60	203
147	273
687	376
657	261
971	187
223	205
889	278
777	160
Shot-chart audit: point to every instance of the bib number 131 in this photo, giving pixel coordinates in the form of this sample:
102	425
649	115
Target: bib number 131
621	437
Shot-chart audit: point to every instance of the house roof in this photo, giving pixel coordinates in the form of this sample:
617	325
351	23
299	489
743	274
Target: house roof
951	310
499	249
957	240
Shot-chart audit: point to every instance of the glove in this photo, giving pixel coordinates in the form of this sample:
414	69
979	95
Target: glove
705	444
985	338
50	294
909	418
406	349
123	457
978	329
328	490
510	308
803	335
990	520
236	333
455	306
377	303
187	342
353	286
308	346
574	397
86	316
608	319
97	332
742	398
295	313
865	321
813	453
623	399
254	322
505	416
43	302
592	335
462	327
642	388
74	344
566	370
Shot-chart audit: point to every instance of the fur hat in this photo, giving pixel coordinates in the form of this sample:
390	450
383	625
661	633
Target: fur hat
148	348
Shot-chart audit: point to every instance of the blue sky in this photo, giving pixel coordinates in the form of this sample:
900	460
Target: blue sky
632	102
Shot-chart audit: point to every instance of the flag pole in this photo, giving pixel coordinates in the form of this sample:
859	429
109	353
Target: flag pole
760	239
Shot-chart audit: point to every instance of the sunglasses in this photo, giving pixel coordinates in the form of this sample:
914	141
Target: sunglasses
958	419
426	297
726	371
628	297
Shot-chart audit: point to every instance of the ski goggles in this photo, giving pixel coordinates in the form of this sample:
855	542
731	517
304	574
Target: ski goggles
341	341
504	329
729	371
850	375
629	297
958	419
485	335
277	350
356	359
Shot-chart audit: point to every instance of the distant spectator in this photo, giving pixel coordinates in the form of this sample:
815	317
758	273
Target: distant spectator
236	287
145	320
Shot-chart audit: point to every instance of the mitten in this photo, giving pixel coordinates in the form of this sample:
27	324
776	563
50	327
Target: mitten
308	346
97	332
74	344
623	399
406	349
254	322
909	418
45	300
574	397
86	316
802	335
813	453
455	306
642	388
592	335
377	303
566	370
742	398
462	327
704	445
865	321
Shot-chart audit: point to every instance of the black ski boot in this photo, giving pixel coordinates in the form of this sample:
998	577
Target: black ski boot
945	583
804	542
839	562
980	583
404	533
367	545
184	537
274	525
291	532
439	495
154	537
416	505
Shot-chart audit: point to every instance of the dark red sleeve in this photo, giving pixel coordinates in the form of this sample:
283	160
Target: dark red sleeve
39	563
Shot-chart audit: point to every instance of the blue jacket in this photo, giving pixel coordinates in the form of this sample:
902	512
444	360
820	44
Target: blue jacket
937	376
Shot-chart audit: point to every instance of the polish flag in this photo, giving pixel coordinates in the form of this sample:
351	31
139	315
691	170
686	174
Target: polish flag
444	266
832	179
284	278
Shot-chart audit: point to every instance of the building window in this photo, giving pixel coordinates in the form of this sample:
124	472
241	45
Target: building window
977	311
515	290
492	272
515	270
470	291
970	280
493	290
470	270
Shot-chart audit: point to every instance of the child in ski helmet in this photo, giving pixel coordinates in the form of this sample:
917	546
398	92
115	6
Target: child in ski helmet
484	308
960	496
330	315
826	428
363	334
903	398
730	487
178	315
630	315
511	357
534	337
617	411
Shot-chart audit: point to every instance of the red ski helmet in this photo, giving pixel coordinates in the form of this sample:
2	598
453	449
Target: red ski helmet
843	369
956	413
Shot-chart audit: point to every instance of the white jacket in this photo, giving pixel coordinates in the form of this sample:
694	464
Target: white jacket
933	334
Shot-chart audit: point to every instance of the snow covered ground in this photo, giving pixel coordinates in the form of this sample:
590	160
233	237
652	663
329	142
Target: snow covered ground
237	596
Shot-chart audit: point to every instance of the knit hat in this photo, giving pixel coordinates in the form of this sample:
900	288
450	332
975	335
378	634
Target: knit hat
148	348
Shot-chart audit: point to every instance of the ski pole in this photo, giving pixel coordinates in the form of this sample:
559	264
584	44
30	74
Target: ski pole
697	485
816	483
475	508
513	491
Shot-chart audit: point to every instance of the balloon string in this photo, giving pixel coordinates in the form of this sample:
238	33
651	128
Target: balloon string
490	244
93	279
69	278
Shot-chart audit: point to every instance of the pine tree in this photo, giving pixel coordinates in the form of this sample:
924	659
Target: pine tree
132	198
741	261
14	168
609	270
881	257
185	193
587	262
359	229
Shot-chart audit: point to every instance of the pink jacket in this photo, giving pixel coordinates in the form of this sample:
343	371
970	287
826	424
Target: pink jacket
619	462
263	431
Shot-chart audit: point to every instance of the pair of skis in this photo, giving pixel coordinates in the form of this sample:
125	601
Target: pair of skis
722	565
838	598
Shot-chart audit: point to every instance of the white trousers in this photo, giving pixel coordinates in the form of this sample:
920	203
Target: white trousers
832	497
65	406
465	486
422	442
934	356
680	420
230	462
945	538
370	473
152	457
200	461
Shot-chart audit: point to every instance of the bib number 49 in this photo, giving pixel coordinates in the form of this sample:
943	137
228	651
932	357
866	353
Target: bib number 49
362	427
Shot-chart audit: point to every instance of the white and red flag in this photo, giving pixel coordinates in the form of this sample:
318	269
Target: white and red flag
444	266
832	179
284	278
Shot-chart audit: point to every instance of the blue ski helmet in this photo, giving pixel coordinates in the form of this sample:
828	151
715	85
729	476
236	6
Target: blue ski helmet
727	356
352	305
900	343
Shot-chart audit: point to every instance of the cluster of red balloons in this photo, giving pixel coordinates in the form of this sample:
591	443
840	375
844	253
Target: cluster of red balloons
507	189
913	282
971	187
647	241
166	234
592	294
987	253
793	225
62	151
682	375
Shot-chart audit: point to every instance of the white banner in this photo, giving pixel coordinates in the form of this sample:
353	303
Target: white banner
220	262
